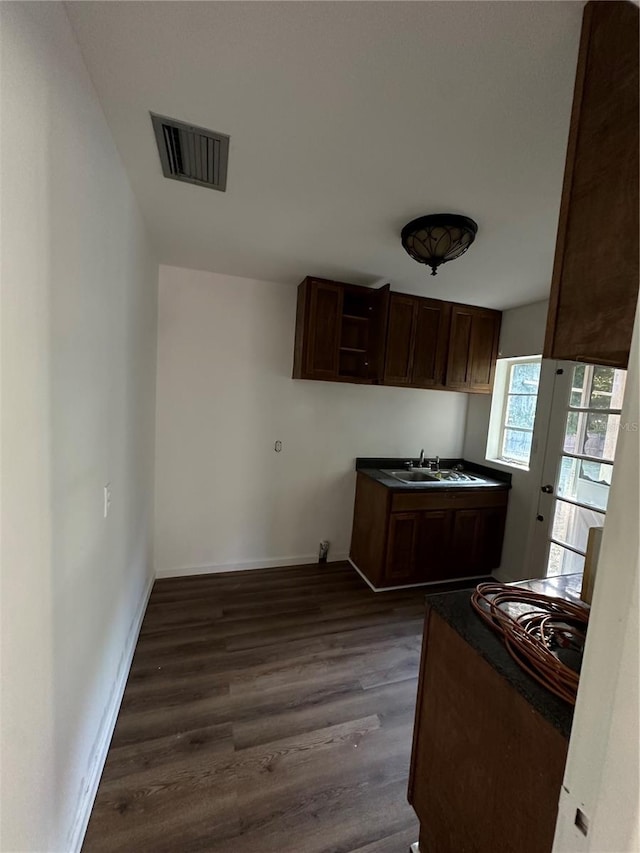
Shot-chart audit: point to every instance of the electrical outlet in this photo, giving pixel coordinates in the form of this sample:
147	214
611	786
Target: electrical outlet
107	499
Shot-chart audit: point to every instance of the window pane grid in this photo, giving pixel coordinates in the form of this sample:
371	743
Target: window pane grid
584	458
594	411
518	415
513	411
568	547
564	561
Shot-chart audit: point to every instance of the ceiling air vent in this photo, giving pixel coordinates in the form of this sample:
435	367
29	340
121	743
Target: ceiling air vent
192	154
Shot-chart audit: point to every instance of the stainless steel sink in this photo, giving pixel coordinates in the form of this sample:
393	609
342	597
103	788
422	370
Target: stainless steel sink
413	476
460	476
419	475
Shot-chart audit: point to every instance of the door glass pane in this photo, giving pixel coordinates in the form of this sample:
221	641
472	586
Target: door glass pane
577	386
517	445
584	482
571	432
521	411
601	435
571	524
607	388
592	434
564	562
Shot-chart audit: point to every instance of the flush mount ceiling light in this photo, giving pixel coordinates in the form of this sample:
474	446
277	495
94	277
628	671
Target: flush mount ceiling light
438	238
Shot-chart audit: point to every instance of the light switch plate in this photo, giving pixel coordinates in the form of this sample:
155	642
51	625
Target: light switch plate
107	499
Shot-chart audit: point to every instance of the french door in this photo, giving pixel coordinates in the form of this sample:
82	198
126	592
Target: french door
578	463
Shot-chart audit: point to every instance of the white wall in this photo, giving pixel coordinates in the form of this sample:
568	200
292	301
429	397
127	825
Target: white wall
522	333
79	292
523	329
225	395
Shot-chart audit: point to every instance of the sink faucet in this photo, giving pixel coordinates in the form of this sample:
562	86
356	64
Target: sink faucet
435	465
421	460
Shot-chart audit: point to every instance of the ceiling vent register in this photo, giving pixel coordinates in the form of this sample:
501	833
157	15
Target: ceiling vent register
192	154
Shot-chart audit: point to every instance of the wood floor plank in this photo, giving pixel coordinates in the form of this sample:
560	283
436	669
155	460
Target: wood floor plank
387	700
196	745
398	841
265	711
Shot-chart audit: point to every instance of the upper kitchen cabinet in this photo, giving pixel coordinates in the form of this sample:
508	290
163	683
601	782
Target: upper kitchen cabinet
417	340
348	333
473	348
340	331
595	276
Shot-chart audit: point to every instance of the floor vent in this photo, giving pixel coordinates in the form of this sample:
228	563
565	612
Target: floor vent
192	154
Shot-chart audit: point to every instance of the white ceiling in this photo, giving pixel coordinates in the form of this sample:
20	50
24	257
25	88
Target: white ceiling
347	119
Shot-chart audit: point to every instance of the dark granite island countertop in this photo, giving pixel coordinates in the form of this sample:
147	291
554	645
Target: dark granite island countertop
455	608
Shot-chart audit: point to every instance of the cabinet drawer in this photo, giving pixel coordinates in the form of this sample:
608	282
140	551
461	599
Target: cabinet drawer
413	501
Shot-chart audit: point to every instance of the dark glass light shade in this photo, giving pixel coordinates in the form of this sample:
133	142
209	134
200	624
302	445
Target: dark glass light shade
438	238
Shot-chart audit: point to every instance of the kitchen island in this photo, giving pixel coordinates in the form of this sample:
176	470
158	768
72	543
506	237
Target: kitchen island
490	743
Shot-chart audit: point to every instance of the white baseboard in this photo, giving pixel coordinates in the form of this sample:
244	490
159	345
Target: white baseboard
383	588
408	585
105	731
248	565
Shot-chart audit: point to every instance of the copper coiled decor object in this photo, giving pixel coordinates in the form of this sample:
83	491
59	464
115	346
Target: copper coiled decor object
544	635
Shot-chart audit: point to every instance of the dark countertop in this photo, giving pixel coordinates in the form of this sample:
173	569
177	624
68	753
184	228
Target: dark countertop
455	608
374	468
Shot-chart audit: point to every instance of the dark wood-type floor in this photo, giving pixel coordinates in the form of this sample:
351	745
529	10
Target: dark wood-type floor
266	712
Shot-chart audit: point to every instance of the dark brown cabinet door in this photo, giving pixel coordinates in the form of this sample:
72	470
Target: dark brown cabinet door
595	275
491	535
434	540
378	333
400	339
459	349
473	348
476	541
323	329
464	554
401	547
485	332
429	364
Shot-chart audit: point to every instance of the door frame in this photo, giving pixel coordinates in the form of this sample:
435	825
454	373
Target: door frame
549	469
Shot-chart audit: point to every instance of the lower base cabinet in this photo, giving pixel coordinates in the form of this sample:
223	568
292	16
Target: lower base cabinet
426	536
486	767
